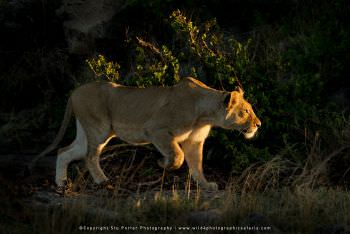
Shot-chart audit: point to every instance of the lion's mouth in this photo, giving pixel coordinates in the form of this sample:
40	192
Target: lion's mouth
249	133
247	130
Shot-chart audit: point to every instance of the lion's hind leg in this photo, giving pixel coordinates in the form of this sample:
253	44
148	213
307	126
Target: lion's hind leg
97	139
77	150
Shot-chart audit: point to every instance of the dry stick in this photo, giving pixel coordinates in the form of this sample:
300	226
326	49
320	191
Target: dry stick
161	185
121	176
125	190
135	171
188	185
151	182
346	172
115	154
114	147
132	161
152	48
126	169
149	46
173	189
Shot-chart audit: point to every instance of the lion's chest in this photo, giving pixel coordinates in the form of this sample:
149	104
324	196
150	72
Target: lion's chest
182	136
196	134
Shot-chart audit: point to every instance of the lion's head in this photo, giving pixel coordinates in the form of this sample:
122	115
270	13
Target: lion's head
239	114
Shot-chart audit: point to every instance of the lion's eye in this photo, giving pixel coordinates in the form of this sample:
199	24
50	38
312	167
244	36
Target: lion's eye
247	111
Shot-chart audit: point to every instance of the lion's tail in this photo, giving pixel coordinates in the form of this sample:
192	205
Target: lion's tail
59	136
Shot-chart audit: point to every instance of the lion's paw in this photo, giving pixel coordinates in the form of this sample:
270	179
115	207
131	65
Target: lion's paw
164	163
170	164
64	189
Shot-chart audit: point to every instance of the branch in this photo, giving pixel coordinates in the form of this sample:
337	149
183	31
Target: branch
148	45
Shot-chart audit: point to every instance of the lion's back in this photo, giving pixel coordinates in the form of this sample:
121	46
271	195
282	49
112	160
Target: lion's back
124	105
89	101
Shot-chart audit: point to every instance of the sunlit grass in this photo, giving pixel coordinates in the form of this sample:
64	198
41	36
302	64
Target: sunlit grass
300	210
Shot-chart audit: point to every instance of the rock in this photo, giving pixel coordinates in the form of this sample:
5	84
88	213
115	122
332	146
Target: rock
87	20
89	205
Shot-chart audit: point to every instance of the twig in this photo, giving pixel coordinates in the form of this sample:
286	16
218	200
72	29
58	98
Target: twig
113	147
148	45
136	170
151	182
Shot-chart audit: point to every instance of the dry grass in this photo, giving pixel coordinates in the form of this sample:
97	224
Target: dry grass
294	210
277	194
284	195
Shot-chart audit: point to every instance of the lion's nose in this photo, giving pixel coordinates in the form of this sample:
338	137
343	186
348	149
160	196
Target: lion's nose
258	124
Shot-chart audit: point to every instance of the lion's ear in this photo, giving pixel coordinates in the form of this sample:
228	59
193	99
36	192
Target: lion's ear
239	89
227	99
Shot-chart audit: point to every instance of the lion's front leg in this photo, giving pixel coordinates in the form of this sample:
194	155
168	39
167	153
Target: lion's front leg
170	149
194	157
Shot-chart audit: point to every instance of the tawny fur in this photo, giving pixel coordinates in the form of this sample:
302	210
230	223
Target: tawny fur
176	120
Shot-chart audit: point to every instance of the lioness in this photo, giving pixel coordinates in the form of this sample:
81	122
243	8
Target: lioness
176	120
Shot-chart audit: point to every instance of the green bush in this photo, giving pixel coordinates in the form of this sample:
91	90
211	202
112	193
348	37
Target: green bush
101	67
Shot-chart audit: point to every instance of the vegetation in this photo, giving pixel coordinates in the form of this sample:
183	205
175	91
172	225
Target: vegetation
258	198
291	58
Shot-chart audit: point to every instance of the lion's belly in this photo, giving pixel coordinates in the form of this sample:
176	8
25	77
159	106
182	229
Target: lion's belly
141	136
131	135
